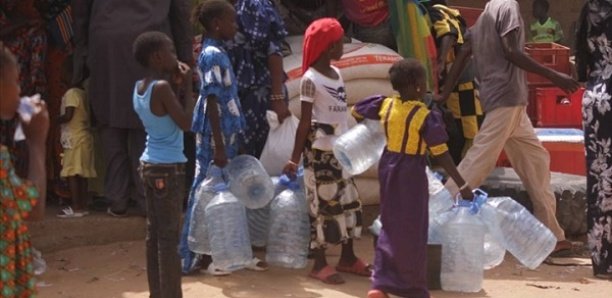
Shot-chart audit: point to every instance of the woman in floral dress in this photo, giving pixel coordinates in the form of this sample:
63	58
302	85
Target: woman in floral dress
594	61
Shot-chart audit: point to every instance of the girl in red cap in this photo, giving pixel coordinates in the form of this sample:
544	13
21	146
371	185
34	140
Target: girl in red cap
335	208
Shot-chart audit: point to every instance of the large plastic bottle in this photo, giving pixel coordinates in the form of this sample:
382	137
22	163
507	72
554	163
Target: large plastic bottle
462	251
518	231
228	231
360	147
249	181
197	240
494	252
289	233
258	219
440	201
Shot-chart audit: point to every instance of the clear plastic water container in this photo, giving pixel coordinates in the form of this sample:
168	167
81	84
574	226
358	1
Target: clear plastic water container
249	181
197	240
462	251
518	231
228	231
289	234
360	147
440	202
258	220
494	252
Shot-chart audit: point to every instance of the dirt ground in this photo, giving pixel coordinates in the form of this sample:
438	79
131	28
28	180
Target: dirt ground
118	270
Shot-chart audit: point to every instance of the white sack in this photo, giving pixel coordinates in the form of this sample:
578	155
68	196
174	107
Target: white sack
279	144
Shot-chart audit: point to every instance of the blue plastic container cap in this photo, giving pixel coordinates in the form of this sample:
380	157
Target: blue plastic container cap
221	187
289	183
215	171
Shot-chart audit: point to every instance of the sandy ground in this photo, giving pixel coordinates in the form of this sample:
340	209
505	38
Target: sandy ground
118	270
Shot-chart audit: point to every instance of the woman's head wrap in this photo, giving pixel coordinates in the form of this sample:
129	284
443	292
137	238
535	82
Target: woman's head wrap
319	36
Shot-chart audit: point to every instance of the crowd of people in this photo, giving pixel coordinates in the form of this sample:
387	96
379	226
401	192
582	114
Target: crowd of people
131	75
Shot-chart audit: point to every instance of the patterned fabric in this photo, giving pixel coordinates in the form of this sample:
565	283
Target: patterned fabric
595	53
217	78
261	32
404	123
335	209
16	199
410	26
29	44
464	101
61	31
18	150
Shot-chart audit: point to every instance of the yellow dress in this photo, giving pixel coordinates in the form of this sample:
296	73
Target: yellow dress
76	137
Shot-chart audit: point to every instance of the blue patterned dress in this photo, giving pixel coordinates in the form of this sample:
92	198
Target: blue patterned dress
217	79
261	32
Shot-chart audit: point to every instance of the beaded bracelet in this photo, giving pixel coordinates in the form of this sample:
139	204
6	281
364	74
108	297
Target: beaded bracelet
277	97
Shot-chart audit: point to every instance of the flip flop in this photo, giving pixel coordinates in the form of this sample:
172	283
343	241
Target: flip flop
358	268
257	265
215	271
327	275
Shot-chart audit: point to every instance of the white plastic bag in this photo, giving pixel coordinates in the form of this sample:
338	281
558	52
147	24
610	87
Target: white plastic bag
279	144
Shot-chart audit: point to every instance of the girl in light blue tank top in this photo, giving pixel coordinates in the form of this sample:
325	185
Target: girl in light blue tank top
162	166
164	137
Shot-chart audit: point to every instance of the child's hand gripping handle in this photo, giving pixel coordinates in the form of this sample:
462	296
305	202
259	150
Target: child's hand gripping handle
289	182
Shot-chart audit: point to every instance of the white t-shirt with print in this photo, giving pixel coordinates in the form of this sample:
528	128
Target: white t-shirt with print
328	105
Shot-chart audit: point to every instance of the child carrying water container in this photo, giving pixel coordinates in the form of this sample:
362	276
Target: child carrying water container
218	121
335	209
412	131
162	164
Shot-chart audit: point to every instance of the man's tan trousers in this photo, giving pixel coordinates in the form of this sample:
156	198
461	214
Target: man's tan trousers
509	128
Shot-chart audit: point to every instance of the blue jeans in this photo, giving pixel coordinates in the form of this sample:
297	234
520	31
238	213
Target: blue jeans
164	188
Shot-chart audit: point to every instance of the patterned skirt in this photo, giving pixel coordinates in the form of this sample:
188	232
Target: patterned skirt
17	197
335	208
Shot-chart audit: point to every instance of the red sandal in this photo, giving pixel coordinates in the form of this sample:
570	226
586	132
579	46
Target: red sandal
377	294
327	275
358	268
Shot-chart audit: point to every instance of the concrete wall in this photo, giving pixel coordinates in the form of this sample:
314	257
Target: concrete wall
564	11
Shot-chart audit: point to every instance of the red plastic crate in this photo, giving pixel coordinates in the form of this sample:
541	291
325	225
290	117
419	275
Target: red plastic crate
566	156
469	14
555	108
551	55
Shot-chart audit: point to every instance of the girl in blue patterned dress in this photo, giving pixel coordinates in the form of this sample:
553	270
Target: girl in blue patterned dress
217	118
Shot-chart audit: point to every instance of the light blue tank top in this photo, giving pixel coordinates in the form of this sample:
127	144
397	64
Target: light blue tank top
164	137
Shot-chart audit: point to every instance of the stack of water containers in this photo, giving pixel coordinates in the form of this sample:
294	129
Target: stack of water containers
462	229
288	235
218	223
277	216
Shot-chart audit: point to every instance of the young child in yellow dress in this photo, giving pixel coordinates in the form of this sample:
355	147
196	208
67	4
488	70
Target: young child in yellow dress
78	163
